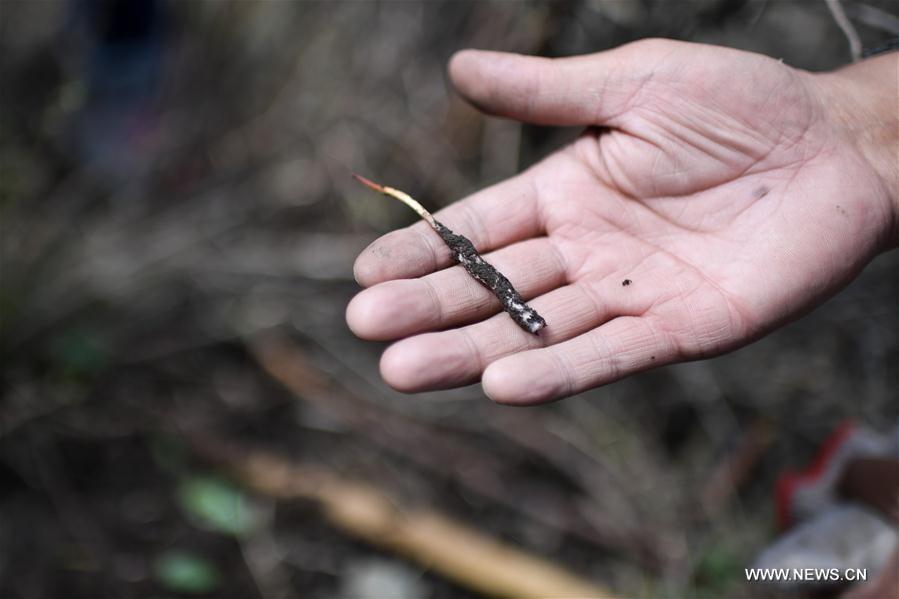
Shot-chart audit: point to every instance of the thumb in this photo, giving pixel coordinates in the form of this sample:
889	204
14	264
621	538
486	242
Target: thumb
581	90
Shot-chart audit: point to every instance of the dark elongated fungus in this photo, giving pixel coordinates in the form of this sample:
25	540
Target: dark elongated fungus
464	252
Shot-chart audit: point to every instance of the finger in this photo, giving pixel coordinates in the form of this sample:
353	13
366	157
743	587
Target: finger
619	348
459	356
491	218
450	297
581	90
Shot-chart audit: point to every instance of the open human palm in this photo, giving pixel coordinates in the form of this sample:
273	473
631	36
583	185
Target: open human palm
710	199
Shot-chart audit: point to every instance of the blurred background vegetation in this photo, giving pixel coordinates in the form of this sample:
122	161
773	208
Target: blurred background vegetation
178	233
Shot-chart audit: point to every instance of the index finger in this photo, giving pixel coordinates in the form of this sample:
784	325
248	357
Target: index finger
491	218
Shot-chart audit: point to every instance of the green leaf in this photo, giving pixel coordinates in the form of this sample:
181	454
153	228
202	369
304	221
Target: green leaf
80	353
215	504
718	567
185	572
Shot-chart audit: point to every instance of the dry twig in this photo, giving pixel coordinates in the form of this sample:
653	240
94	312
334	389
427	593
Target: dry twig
735	469
848	29
462	554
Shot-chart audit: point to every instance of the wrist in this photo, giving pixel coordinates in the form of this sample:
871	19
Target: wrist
862	101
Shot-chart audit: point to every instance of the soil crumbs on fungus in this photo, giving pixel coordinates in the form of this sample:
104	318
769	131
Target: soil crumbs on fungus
464	252
484	273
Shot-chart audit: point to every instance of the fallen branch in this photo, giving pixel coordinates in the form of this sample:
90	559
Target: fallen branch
468	557
450	455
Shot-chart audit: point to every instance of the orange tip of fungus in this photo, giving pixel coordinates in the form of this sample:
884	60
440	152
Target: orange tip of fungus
368	183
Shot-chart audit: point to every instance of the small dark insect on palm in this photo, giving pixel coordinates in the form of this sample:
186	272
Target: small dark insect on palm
626	282
464	252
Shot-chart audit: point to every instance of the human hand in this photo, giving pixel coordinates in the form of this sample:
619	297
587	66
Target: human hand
726	186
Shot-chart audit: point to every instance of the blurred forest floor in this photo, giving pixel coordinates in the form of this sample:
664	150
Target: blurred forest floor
178	233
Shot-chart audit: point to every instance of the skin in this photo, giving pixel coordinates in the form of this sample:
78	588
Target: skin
735	192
